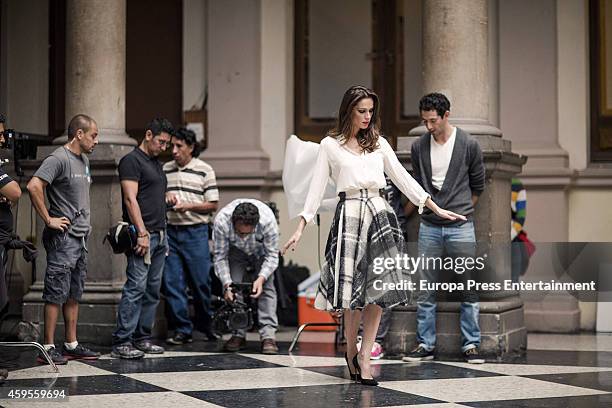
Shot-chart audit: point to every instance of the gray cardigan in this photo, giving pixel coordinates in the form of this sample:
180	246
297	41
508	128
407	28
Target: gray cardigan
465	177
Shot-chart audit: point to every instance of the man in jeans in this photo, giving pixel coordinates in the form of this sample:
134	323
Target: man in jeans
192	193
447	162
66	177
143	189
246	250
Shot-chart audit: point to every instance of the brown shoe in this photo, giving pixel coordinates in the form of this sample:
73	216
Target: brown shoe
235	343
268	346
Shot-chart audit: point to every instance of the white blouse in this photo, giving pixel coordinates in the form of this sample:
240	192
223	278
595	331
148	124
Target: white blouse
352	171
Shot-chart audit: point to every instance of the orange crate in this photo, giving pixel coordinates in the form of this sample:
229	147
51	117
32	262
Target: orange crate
308	314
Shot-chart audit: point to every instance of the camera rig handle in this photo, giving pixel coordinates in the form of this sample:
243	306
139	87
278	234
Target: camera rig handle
241	287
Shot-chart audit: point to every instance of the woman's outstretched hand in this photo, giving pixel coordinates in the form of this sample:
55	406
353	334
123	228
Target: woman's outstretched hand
442	213
295	238
449	215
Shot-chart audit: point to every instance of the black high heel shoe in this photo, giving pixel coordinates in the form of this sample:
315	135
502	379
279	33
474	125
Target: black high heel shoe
363	381
353	376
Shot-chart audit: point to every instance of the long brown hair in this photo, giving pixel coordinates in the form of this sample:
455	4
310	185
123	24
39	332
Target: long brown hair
367	138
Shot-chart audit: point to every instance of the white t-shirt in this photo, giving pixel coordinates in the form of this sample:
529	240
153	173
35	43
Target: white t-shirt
351	171
440	159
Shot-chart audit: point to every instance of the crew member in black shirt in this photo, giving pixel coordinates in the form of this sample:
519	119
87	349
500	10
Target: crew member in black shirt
143	188
9	195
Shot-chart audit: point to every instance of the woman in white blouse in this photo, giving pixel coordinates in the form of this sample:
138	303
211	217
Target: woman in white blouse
365	232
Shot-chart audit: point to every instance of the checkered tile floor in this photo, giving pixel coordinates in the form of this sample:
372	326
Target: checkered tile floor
198	376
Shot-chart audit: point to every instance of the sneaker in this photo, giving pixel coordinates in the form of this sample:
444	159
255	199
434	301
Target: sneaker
148	347
80	352
472	356
179	338
56	357
268	346
235	343
419	354
377	351
126	351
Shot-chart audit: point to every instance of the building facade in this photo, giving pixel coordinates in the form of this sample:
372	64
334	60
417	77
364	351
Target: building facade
250	73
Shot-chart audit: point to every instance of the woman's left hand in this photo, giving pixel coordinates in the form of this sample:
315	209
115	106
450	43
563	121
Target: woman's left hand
292	243
449	215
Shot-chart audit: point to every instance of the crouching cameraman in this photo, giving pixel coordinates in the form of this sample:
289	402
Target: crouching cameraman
246	250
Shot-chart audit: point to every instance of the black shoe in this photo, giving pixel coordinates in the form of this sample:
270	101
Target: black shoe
80	352
353	376
127	352
359	378
148	347
56	357
472	356
179	338
419	354
3	375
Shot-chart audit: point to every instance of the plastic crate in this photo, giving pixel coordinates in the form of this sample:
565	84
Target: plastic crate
308	314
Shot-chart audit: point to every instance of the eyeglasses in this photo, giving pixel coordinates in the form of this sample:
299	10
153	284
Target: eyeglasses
162	143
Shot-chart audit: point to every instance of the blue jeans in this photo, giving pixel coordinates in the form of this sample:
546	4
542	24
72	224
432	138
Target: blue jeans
454	241
140	295
188	262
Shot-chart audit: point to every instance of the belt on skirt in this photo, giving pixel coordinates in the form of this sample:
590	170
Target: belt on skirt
361	193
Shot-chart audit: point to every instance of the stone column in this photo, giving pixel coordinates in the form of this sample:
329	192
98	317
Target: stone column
95	86
95	65
456	62
235	96
538	31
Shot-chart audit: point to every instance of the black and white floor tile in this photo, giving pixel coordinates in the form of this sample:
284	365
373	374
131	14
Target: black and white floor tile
200	376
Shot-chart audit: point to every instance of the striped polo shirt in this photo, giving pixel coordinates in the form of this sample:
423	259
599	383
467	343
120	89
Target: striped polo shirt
194	183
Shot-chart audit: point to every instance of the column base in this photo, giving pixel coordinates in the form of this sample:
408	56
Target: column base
106	136
472	126
556	313
97	316
237	161
503	331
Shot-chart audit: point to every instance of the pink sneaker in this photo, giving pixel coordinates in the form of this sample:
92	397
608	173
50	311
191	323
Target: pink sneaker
377	351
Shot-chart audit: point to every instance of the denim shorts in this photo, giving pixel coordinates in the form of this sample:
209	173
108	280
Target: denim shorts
66	266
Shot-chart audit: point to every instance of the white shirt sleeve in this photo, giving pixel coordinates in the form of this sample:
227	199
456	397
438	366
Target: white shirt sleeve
401	178
318	183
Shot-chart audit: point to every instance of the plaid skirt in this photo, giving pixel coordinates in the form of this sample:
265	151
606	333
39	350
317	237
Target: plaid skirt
364	233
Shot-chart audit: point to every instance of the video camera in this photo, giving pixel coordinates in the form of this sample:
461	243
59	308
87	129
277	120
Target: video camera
238	315
23	146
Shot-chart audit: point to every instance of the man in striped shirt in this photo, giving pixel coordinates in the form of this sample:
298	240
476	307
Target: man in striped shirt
246	250
192	194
